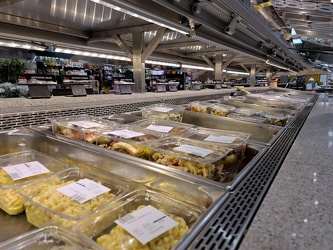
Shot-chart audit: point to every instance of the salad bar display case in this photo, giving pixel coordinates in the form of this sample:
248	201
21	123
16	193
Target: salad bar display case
210	172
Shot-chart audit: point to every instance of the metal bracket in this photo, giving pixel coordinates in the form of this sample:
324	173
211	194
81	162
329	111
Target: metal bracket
231	28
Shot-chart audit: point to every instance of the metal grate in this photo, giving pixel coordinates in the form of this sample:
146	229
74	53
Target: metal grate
226	228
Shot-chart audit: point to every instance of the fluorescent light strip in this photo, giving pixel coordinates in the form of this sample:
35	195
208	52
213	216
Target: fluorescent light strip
237	73
136	15
276	65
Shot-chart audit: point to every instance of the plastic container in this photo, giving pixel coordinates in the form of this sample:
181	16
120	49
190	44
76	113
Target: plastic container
80	127
129	140
255	119
163	111
122	118
106	232
276	120
200	107
15	172
248	112
200	158
49	237
44	203
236	141
162	126
221	109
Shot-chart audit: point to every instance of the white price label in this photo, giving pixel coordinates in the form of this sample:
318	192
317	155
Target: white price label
125	133
87	124
83	190
159	128
220	138
146	224
163	109
202	152
24	170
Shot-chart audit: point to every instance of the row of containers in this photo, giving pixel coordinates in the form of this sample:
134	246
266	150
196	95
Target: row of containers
140	180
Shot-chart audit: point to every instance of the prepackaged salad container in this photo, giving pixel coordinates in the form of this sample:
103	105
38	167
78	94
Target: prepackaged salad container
163	111
128	139
68	196
200	107
234	140
18	169
162	126
196	157
80	127
144	219
221	109
50	237
248	112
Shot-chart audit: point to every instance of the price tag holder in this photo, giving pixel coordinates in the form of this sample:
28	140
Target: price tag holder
125	133
83	190
24	170
146	224
202	152
220	138
159	128
86	124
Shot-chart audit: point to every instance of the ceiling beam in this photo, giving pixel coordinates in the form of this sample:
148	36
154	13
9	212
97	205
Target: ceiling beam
209	62
153	44
106	35
123	46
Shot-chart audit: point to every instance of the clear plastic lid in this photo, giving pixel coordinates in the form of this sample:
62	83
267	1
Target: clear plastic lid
277	120
248	112
129	140
189	149
18	169
122	118
50	237
112	227
200	107
72	126
69	195
256	119
163	111
162	126
221	109
216	135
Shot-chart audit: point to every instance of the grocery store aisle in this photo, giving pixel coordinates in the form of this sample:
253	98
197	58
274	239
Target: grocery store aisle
297	210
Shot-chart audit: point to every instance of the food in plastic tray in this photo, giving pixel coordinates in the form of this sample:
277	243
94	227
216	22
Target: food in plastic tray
17	169
49	237
200	107
248	112
231	139
122	118
277	120
221	109
129	140
256	119
111	231
199	158
80	127
66	197
163	111
162	126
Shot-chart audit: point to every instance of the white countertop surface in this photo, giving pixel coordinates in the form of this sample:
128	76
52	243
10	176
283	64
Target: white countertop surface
297	212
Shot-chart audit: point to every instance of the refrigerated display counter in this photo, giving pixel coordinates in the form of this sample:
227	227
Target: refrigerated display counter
228	207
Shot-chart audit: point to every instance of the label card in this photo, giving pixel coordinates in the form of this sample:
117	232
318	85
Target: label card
24	170
159	128
220	138
86	124
83	190
125	133
146	224
202	152
163	109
